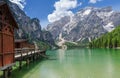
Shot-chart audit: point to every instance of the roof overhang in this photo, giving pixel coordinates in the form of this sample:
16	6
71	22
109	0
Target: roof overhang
2	3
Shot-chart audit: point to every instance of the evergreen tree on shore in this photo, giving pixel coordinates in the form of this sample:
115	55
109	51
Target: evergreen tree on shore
109	40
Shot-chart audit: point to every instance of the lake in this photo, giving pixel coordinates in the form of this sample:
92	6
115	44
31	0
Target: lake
78	63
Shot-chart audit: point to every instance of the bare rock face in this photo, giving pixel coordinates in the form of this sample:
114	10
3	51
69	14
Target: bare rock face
29	28
56	27
87	24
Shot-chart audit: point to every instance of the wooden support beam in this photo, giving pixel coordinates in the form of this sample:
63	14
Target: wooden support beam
20	61
5	73
27	62
9	71
20	64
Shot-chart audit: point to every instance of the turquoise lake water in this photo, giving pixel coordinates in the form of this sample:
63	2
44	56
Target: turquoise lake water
78	63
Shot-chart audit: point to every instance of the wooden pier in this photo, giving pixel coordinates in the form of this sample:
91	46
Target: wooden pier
8	52
28	55
24	54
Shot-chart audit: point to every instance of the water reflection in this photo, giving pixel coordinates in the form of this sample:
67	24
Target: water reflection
61	55
109	66
89	55
80	63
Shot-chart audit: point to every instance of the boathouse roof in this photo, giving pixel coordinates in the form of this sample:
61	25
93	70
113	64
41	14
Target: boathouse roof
5	3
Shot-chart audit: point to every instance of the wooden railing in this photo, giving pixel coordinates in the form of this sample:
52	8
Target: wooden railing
28	54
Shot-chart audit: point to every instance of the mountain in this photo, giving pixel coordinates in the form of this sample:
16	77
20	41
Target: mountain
110	40
29	28
56	27
87	24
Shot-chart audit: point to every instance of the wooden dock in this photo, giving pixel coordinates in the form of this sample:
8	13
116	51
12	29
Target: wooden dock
23	54
8	54
28	55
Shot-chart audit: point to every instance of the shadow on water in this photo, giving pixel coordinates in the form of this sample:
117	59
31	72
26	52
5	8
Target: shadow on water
26	69
16	73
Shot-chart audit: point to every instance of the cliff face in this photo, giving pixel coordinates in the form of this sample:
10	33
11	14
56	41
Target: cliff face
29	28
56	28
87	24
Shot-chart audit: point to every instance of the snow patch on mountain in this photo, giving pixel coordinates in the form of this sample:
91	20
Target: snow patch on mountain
20	3
109	27
104	15
87	12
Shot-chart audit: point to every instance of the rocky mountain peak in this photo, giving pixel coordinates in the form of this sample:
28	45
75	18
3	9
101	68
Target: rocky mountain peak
29	28
87	24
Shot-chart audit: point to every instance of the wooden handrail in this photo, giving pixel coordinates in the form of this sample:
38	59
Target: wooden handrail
23	50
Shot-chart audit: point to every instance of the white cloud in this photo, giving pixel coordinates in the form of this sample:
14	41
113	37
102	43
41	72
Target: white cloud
20	3
94	1
63	8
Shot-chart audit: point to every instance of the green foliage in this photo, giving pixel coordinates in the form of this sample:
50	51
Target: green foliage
68	44
43	45
73	45
109	40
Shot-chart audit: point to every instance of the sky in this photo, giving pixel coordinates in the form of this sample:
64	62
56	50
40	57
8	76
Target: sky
48	11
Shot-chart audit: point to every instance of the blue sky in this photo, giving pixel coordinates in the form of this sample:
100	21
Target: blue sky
50	10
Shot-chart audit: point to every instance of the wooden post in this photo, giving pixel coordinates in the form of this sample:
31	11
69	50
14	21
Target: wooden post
31	55
5	73
27	62
37	55
20	64
9	71
34	55
20	61
27	58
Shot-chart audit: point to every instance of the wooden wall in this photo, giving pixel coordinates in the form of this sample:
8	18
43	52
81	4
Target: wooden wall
6	37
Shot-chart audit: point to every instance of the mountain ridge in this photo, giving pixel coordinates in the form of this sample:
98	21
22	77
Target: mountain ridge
87	24
29	28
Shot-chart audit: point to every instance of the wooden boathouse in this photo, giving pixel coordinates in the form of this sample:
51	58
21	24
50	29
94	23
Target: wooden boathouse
7	26
12	50
25	51
23	43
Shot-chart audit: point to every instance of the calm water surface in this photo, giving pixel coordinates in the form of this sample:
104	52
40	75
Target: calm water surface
79	63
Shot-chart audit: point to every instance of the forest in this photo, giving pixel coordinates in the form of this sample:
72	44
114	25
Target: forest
109	40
